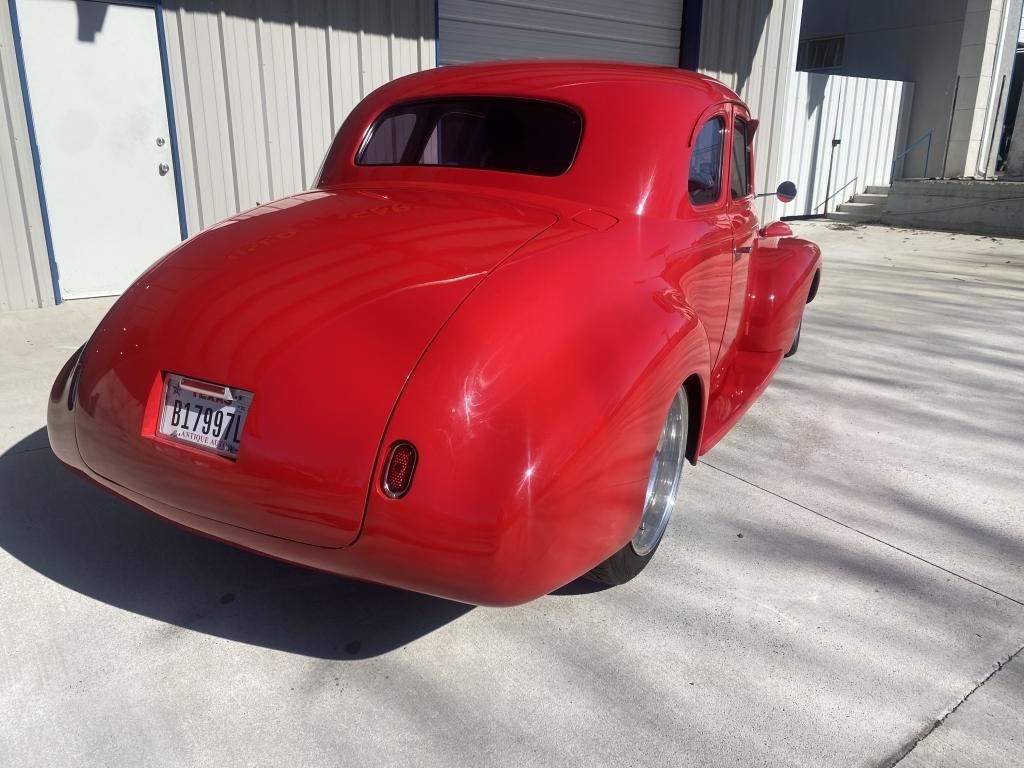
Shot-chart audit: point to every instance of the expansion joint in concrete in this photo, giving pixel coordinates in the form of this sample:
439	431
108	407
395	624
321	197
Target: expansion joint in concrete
865	534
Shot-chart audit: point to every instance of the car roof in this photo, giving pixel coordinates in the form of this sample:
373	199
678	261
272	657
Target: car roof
637	123
536	75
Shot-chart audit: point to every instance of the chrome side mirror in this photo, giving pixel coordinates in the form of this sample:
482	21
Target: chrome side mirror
786	192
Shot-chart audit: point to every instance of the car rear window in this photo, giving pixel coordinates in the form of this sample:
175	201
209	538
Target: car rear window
494	134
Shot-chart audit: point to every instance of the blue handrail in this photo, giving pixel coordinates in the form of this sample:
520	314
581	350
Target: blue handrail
927	156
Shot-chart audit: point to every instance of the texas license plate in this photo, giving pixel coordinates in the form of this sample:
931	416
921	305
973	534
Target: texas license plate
205	415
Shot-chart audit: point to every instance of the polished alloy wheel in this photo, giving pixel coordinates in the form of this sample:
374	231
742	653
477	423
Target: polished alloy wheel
663	482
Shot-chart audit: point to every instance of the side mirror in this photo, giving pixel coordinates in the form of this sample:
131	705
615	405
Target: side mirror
786	192
776	229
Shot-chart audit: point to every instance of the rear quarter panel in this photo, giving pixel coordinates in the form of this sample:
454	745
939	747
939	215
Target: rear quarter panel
536	412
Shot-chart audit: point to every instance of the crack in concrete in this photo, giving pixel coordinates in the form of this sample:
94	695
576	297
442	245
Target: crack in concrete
909	747
865	534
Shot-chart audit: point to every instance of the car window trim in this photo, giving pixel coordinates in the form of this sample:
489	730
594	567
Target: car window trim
748	155
720	200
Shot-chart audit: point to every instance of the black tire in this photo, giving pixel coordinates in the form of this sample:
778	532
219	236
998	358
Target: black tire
625	564
796	339
621	567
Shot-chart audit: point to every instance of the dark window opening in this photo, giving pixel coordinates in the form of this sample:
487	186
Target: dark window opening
820	53
706	163
494	134
739	181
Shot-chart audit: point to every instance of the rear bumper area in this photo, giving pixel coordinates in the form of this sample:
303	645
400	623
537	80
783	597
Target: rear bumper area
377	555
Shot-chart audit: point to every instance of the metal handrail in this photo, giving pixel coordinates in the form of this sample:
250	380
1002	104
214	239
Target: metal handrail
823	202
908	150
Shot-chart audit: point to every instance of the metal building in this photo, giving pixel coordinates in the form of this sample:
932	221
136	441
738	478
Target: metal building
208	107
146	122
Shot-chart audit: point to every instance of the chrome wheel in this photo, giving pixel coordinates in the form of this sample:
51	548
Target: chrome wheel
663	482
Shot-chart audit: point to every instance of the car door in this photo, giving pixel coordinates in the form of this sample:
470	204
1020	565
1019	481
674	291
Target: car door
703	266
742	219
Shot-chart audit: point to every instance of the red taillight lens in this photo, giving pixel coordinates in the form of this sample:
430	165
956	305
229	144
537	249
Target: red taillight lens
398	470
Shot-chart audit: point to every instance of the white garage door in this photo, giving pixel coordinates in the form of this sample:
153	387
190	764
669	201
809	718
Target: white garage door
640	30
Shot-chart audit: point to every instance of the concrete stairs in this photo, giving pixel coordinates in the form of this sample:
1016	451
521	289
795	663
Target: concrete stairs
865	208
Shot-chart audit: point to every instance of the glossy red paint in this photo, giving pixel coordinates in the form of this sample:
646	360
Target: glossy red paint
526	334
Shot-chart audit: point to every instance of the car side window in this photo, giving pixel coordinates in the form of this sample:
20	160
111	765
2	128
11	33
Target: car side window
705	180
739	178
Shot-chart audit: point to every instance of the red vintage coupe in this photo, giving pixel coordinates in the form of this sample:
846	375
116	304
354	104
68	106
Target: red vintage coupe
474	359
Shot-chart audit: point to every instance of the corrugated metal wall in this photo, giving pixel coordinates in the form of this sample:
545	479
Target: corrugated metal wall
261	87
868	117
750	45
480	30
24	265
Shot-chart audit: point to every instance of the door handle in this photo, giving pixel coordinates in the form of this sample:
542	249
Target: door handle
738	252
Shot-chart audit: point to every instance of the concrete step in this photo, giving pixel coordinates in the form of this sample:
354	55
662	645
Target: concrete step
871	198
862	208
855	218
862	215
877	190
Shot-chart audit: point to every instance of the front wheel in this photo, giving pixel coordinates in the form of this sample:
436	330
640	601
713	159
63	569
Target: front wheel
662	492
796	339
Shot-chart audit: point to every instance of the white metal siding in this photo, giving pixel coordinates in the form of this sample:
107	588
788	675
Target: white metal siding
642	30
868	117
260	88
750	45
24	264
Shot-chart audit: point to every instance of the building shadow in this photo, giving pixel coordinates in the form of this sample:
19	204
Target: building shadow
90	19
82	537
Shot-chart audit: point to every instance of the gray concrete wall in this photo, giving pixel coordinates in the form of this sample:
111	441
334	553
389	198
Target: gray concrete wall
950	50
978	207
915	40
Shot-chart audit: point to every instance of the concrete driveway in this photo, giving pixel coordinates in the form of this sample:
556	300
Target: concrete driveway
843	587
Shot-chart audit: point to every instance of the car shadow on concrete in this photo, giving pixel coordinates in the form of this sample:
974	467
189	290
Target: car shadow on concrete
80	536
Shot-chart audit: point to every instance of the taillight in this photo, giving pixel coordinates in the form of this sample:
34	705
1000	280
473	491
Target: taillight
398	470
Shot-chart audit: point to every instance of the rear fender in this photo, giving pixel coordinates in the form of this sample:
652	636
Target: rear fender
60	413
535	412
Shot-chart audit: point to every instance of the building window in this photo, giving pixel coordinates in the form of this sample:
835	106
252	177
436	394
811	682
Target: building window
820	53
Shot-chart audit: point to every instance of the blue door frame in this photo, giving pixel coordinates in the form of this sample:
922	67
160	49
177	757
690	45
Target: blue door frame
19	55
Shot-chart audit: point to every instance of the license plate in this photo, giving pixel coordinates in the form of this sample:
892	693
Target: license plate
205	415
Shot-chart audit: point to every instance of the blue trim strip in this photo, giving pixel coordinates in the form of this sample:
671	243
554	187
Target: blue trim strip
20	58
689	34
165	69
437	33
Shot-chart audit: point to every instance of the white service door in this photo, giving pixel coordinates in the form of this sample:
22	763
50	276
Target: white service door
97	95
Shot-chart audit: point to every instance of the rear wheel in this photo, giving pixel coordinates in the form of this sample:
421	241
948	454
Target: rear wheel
660	501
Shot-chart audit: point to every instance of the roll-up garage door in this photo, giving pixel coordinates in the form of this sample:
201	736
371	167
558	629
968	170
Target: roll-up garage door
640	30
